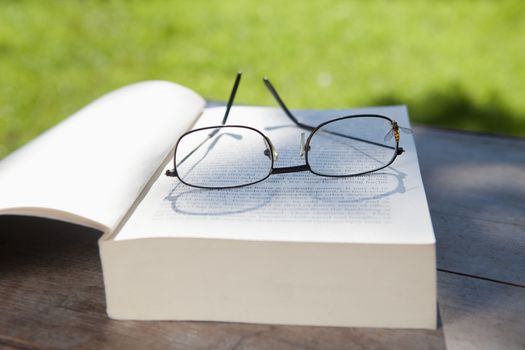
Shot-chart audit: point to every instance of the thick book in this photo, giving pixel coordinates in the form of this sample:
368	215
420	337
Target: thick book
294	249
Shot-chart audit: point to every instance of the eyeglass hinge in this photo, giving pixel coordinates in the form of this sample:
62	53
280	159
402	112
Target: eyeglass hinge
172	173
400	151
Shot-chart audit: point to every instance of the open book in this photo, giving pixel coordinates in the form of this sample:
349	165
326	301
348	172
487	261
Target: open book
294	249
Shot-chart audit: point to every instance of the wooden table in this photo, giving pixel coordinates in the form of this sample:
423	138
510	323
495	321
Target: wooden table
52	294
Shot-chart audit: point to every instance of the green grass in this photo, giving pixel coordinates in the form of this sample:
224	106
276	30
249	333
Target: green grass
456	64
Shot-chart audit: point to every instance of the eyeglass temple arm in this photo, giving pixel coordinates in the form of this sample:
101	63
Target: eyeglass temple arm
232	97
309	127
173	172
283	106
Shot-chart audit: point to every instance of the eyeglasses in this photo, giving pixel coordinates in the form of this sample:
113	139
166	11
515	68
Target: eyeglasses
230	156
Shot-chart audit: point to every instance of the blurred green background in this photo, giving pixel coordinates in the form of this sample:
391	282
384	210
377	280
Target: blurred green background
457	64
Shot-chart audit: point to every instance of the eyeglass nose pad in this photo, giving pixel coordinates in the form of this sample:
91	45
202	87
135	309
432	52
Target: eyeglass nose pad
270	146
302	149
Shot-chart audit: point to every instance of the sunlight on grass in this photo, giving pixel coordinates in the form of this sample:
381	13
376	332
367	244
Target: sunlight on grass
456	64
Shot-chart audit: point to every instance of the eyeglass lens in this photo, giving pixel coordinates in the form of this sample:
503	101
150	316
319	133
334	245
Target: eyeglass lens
223	157
351	146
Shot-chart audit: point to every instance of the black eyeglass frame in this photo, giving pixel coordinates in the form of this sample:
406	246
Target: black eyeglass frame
291	169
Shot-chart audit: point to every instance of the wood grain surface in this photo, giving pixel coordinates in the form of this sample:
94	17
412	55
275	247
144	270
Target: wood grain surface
476	192
52	294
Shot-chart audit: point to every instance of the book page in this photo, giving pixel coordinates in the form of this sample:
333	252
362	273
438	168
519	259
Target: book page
90	168
387	206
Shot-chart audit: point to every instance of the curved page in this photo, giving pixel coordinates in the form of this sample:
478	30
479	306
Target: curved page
90	168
